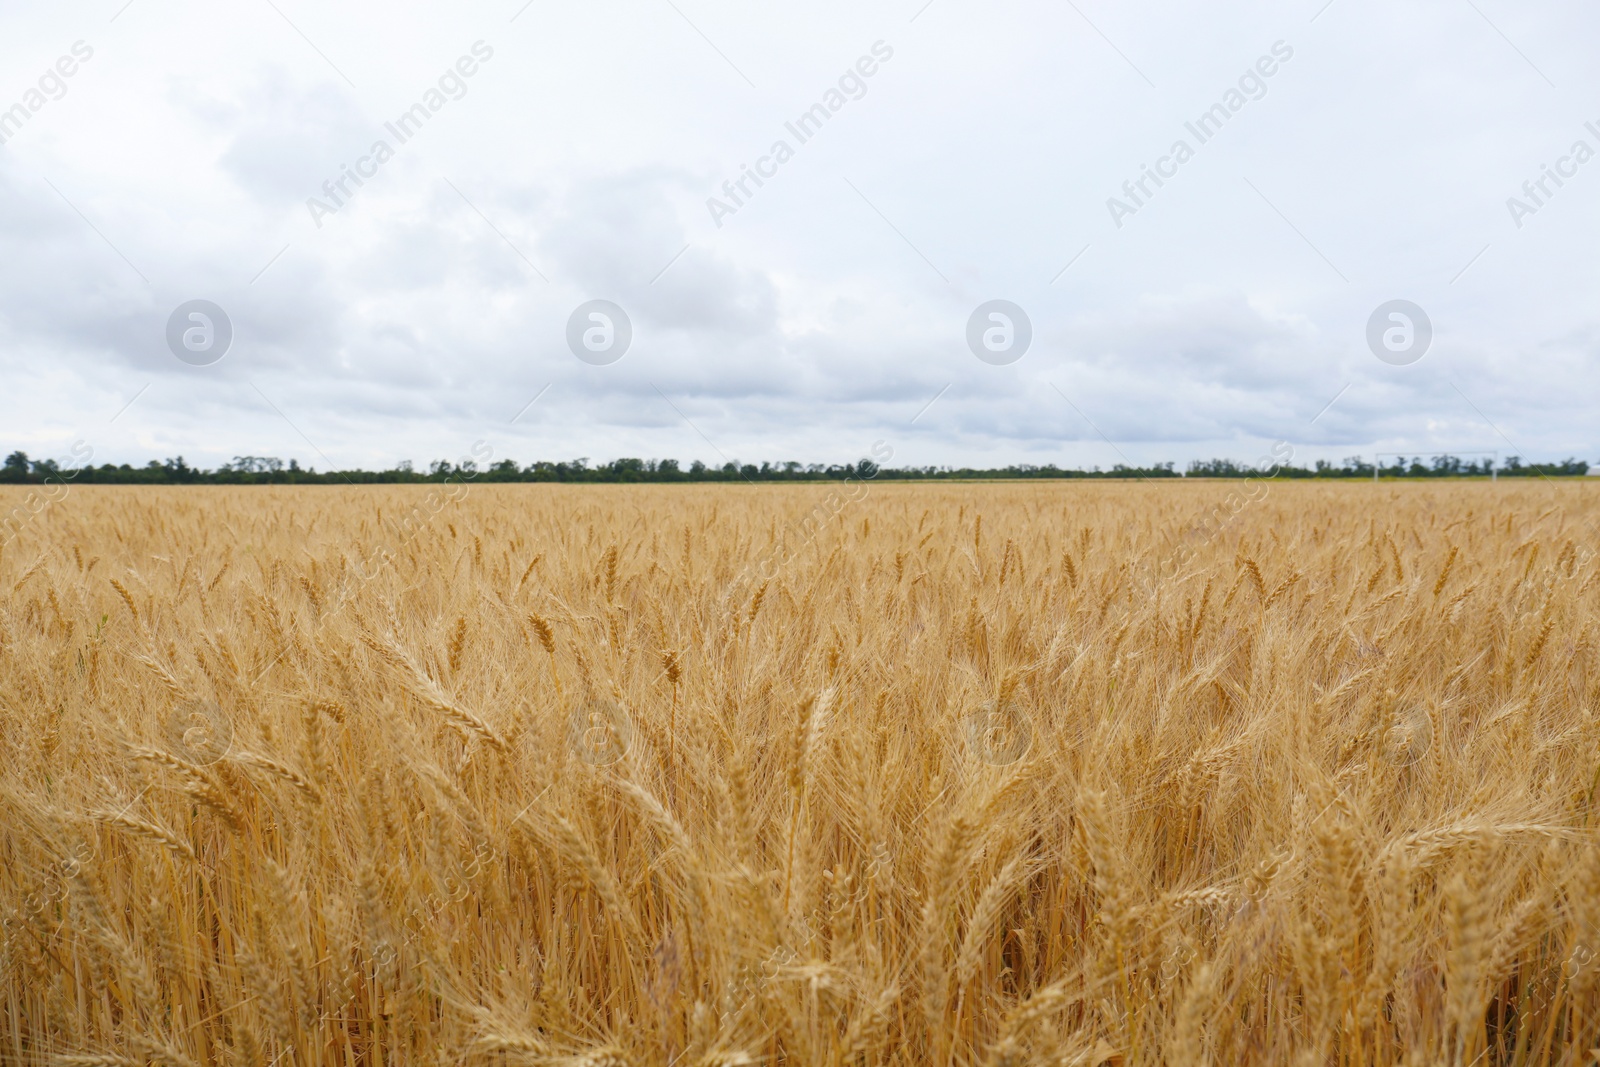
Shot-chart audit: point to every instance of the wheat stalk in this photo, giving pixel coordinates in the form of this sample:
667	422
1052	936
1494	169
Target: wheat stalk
1214	850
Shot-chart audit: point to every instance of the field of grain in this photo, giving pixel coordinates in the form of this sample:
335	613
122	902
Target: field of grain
962	774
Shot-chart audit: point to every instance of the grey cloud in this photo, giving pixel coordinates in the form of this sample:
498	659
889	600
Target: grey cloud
282	140
615	234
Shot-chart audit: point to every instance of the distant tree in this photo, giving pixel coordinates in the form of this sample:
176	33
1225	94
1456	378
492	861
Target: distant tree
176	470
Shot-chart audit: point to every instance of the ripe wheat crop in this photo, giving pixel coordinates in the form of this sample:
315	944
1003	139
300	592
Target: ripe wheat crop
951	775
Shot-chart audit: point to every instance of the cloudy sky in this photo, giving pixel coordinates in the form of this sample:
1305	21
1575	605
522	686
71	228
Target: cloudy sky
827	308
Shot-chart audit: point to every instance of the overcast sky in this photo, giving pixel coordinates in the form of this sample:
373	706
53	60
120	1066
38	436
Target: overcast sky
827	308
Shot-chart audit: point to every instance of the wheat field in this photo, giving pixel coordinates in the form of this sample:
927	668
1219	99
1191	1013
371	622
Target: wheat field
1048	773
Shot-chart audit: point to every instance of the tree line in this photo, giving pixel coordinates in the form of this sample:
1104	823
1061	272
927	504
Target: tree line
20	468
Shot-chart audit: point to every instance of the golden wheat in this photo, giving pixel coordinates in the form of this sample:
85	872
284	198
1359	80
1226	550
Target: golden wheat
920	774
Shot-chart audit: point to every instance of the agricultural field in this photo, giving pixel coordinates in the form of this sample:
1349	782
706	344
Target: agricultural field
1047	773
